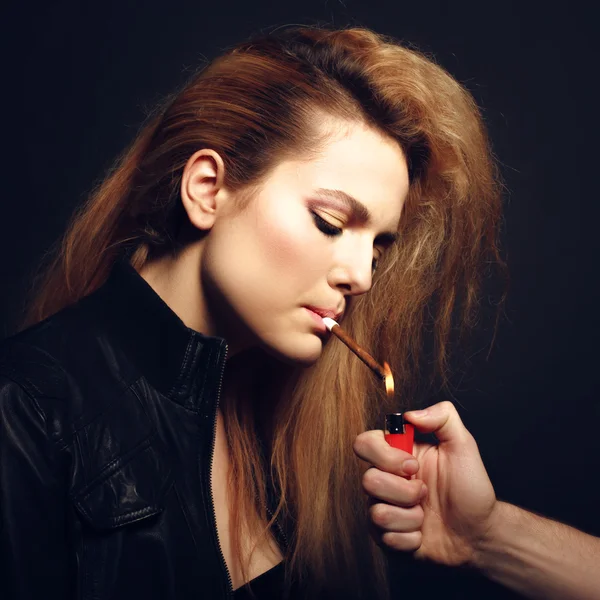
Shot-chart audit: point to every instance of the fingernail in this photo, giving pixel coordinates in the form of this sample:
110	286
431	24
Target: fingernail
423	492
410	465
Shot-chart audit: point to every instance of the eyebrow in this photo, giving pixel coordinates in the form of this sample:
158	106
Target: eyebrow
359	211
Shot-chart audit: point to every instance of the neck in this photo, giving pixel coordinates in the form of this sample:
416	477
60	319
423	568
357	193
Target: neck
177	279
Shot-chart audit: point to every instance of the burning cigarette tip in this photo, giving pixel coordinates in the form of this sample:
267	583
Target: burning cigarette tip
329	323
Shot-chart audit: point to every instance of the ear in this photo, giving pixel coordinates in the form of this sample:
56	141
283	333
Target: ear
202	190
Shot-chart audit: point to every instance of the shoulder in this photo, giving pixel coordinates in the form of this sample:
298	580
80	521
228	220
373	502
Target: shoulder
70	412
66	368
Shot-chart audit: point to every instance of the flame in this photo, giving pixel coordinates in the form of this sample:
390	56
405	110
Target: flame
389	380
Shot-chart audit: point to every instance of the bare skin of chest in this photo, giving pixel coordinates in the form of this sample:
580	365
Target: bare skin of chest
268	554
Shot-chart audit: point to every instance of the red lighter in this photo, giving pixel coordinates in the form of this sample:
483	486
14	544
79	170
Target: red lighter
399	433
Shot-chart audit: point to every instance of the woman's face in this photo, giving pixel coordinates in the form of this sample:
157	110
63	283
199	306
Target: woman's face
308	240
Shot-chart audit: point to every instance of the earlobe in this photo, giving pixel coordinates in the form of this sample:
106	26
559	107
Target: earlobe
201	187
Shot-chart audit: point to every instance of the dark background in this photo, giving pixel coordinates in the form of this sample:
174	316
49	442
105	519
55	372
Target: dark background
79	77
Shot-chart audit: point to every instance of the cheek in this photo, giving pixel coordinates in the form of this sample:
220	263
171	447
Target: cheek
285	242
269	260
290	251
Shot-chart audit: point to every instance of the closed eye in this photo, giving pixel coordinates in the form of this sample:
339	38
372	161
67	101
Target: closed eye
324	226
332	231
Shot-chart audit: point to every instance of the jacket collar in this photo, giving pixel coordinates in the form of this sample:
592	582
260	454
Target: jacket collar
179	362
182	364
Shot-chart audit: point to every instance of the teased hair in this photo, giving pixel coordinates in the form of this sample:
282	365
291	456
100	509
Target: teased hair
255	106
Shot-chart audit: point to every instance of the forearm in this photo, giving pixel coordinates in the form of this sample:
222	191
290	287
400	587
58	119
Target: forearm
540	558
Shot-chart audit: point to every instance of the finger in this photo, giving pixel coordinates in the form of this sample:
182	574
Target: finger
393	488
405	542
372	447
396	518
441	419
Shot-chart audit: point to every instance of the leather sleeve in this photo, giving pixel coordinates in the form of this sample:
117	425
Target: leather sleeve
34	557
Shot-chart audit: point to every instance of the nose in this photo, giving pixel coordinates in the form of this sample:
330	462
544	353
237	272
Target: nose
352	271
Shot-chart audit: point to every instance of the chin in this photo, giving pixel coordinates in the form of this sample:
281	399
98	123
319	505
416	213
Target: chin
302	351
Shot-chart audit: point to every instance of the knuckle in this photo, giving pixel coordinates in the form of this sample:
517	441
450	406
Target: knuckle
416	493
447	406
419	516
379	514
363	441
391	539
358	444
415	539
371	480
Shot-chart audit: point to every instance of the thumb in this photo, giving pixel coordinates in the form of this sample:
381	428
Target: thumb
441	419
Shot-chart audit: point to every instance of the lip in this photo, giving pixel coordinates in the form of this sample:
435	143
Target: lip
318	313
317	319
324	312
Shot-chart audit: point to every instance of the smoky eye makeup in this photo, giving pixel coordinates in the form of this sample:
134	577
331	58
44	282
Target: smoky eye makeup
324	226
331	231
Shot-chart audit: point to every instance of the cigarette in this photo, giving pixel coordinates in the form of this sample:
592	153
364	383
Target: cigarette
335	328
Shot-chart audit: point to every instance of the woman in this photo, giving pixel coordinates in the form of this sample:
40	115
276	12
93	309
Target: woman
175	421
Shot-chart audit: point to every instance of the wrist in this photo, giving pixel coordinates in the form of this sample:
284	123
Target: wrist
485	547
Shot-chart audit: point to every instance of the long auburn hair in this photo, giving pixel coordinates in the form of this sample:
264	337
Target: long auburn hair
255	105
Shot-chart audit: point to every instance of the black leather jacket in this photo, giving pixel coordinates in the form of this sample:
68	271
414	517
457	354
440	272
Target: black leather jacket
107	421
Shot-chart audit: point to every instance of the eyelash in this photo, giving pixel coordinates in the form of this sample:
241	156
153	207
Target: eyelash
332	231
325	227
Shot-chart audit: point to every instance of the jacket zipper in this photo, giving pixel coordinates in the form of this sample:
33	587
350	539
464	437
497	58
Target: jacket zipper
277	523
212	500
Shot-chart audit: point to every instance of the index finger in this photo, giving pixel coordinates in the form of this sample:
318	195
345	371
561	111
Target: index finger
372	448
